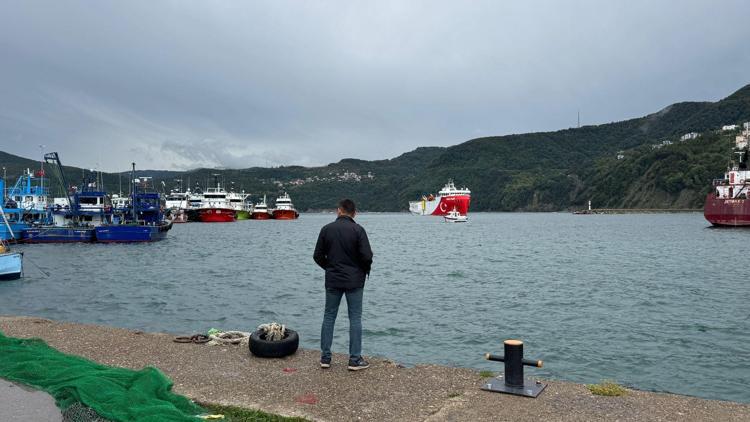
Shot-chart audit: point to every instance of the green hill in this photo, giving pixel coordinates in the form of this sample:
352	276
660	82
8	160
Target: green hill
542	171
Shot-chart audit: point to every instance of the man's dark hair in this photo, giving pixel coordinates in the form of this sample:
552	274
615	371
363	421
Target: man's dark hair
347	205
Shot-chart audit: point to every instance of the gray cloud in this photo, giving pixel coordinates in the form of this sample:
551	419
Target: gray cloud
176	85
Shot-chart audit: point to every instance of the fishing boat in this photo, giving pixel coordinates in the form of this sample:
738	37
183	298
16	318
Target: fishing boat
238	201
216	207
195	199
24	204
176	204
260	211
284	208
142	221
728	204
455	217
69	224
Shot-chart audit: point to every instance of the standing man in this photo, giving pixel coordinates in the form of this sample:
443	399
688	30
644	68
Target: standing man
343	251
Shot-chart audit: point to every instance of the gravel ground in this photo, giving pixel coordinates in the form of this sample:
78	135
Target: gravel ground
296	386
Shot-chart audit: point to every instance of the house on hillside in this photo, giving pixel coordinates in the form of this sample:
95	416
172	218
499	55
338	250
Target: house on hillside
620	155
689	136
740	141
746	125
726	128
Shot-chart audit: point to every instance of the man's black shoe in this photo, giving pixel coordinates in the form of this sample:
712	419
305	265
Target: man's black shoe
325	362
358	364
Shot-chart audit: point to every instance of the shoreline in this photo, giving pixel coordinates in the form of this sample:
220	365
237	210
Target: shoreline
296	386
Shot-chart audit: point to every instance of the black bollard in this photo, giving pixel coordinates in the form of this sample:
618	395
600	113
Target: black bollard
513	381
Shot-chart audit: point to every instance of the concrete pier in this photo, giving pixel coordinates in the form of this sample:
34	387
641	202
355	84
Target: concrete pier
297	386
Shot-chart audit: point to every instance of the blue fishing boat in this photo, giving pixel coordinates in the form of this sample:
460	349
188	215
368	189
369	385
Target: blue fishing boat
23	205
70	222
142	220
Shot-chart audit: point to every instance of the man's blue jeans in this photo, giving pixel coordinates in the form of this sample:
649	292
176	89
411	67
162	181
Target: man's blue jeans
354	304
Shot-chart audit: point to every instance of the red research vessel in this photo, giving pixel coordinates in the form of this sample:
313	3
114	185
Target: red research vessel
284	209
448	199
728	204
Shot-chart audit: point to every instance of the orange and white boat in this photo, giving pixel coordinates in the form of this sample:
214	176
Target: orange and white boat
284	208
260	211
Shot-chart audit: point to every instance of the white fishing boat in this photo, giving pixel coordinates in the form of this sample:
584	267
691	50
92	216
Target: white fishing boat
455	217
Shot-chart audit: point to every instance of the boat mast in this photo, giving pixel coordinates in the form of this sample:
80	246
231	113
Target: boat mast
132	178
54	159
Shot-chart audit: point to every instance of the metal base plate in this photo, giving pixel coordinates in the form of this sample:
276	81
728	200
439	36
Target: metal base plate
530	388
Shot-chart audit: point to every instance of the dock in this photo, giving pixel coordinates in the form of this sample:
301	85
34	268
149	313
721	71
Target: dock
387	391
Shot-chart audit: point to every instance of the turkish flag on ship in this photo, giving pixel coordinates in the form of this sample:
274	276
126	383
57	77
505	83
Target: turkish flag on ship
39	173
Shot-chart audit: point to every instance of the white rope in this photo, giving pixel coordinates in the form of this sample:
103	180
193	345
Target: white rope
229	337
273	331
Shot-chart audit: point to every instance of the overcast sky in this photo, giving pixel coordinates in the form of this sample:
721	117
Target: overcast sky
181	84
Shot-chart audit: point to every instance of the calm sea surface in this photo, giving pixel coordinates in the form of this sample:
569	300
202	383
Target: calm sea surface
658	302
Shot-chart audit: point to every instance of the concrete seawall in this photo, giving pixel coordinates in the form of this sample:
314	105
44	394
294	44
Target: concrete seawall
296	386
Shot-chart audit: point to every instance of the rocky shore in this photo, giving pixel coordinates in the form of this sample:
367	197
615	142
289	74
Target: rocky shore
296	386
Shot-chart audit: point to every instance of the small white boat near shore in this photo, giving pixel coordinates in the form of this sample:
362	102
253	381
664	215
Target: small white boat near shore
455	217
11	263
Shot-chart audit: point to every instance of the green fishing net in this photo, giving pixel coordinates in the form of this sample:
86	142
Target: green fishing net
115	394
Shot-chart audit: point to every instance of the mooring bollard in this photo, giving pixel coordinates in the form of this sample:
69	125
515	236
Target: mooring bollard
513	381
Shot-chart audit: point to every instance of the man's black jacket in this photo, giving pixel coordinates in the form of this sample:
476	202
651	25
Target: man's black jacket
343	250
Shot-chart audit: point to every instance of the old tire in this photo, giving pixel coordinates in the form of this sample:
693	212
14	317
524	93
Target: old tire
263	348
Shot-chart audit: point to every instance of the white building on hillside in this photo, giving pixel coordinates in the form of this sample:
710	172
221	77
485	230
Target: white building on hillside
728	127
689	136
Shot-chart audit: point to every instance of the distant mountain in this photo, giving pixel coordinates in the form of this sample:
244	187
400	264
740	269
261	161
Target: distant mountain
542	171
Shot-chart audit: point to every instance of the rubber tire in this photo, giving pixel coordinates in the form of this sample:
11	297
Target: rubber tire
274	349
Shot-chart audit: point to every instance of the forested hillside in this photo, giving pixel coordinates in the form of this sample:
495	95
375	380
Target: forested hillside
543	171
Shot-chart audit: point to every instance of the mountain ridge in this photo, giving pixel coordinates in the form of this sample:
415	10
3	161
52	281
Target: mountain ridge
538	171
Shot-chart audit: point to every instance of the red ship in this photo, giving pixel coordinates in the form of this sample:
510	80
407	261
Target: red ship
215	206
728	204
448	199
284	209
260	211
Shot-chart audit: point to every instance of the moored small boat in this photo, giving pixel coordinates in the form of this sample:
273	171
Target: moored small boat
284	208
11	263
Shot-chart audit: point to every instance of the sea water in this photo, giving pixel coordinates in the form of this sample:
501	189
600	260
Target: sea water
654	301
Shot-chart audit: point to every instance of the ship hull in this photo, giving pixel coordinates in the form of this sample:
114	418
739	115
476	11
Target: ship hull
128	233
441	205
11	266
733	212
260	216
285	215
243	215
193	215
216	215
57	235
179	216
